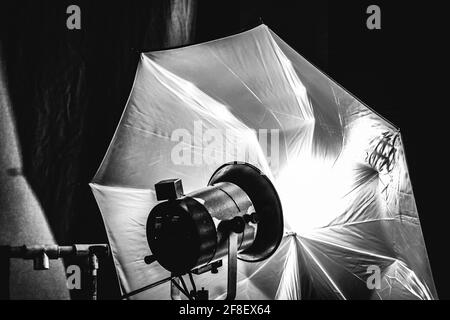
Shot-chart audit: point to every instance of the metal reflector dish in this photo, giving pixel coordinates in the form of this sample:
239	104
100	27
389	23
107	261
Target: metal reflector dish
266	202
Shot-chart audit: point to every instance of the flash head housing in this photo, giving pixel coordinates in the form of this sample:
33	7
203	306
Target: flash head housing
188	231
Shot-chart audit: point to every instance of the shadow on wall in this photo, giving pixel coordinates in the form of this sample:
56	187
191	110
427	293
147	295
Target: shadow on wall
21	218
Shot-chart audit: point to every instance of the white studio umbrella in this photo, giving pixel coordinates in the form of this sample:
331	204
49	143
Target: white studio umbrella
338	166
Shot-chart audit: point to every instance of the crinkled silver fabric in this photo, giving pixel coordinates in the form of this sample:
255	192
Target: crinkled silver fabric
339	168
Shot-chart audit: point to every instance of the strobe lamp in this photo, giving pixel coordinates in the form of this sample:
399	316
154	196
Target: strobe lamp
237	215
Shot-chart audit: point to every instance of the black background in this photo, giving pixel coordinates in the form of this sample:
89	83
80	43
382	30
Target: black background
68	89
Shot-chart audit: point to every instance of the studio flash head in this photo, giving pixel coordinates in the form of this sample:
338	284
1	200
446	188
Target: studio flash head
239	210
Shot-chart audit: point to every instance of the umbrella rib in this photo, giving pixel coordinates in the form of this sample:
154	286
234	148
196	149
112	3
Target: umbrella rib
248	278
323	270
353	249
296	240
308	112
263	265
356	222
234	74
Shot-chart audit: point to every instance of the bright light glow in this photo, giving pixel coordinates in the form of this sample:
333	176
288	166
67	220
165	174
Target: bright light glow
310	192
315	191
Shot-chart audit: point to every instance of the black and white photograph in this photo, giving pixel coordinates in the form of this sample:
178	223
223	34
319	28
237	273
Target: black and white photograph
245	151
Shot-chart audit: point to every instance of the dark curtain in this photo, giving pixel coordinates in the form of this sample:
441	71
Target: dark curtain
68	89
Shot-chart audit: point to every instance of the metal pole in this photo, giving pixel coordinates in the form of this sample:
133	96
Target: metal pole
232	266
93	267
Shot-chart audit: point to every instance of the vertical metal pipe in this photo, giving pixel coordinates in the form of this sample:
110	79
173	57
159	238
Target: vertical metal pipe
232	266
93	267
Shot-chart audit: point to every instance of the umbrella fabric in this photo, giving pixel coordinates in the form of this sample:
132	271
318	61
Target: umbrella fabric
339	168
